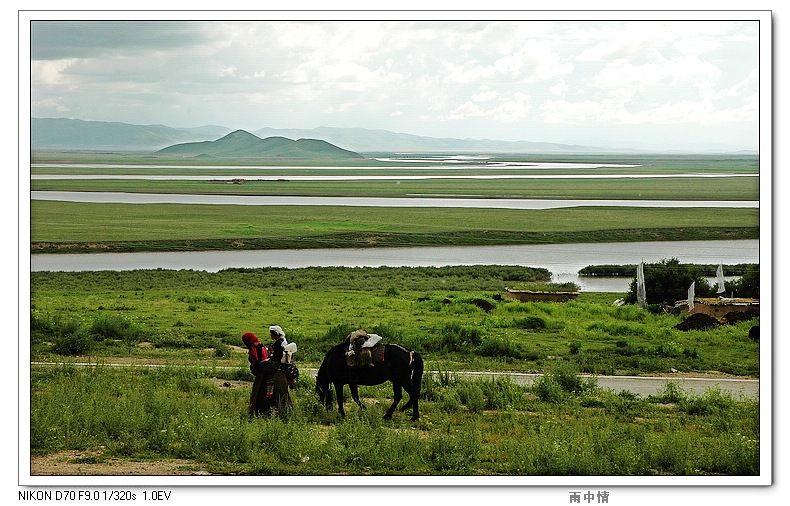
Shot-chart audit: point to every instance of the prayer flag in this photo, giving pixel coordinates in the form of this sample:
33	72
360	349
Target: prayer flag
720	279
641	292
691	296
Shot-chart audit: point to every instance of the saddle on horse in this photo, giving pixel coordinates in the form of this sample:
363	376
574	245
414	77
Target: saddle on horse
364	349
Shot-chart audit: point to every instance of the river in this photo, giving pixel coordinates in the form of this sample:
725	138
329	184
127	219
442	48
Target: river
274	200
563	260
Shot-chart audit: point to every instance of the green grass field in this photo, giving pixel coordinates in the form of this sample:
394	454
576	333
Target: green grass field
194	407
60	226
734	188
433	310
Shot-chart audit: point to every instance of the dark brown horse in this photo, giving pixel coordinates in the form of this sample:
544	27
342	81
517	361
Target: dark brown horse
404	368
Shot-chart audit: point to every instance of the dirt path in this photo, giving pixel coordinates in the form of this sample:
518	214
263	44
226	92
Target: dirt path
92	463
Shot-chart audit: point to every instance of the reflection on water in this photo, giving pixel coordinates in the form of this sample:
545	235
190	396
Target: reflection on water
563	260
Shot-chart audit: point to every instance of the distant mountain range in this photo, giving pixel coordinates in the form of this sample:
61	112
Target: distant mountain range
243	144
63	134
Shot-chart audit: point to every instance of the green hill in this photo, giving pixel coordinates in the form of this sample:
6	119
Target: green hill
242	144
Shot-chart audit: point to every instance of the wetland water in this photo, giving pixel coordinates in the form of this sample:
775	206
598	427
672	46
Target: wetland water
563	260
261	200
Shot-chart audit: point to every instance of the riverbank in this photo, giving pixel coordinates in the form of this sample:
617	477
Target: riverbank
370	239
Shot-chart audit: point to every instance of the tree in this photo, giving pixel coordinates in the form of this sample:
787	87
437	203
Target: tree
668	281
748	285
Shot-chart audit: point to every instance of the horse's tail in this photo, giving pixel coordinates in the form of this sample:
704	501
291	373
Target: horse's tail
417	370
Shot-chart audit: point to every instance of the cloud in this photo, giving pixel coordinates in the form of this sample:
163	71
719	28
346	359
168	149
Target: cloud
505	110
559	89
469	78
485	96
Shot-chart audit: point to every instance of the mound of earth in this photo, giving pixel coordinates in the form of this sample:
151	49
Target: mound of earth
484	305
734	317
698	321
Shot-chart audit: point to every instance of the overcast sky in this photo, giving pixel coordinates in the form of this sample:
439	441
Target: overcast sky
666	84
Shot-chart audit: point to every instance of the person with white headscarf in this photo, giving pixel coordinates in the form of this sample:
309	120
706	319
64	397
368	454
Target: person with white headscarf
277	348
281	352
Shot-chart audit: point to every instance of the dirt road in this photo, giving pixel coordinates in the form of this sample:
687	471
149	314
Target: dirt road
642	385
647	385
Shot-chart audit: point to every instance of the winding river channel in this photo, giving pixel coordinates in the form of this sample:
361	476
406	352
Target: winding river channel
274	200
563	260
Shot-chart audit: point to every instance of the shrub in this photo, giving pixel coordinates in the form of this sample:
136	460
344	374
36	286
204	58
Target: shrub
672	394
668	281
498	347
711	402
115	327
530	322
221	350
548	390
72	339
449	400
669	349
566	376
502	394
41	322
457	337
472	395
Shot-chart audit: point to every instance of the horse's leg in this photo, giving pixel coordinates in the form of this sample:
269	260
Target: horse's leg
414	399
355	394
397	396
412	403
339	392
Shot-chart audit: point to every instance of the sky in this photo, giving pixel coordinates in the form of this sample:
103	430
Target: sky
669	82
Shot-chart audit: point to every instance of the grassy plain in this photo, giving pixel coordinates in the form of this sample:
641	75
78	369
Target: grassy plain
436	311
72	227
193	407
732	188
69	226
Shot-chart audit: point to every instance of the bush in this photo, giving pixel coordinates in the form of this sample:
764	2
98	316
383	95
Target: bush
73	339
502	394
472	395
566	375
221	350
449	400
548	390
115	327
530	322
498	347
672	394
456	337
711	402
668	281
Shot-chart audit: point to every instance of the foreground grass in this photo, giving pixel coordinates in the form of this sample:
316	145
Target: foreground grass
561	426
